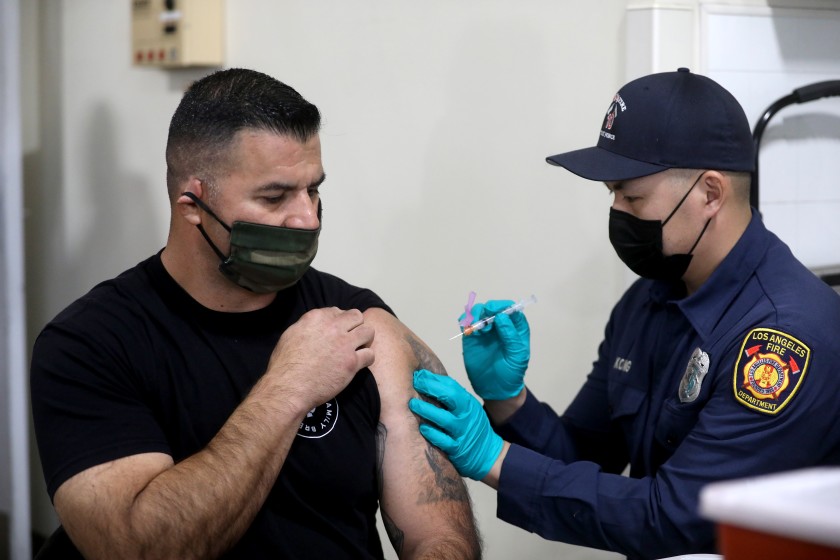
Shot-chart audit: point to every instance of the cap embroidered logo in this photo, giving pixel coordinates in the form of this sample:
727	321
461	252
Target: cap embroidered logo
679	120
610	117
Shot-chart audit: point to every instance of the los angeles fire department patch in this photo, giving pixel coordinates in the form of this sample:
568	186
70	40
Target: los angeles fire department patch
770	369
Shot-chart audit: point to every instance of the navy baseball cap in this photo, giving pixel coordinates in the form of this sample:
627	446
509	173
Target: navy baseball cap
663	121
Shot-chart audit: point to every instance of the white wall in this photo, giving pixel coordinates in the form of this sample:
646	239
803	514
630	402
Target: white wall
438	117
762	54
761	50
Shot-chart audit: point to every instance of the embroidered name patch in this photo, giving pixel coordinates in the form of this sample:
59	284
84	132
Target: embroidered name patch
770	369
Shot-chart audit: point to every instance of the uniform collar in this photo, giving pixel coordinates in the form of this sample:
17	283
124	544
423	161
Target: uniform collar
707	305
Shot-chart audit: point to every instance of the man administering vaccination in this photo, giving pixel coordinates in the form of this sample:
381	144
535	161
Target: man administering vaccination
722	361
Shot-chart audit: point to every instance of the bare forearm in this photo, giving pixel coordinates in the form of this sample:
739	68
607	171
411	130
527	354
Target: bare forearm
201	506
439	520
446	528
452	547
456	539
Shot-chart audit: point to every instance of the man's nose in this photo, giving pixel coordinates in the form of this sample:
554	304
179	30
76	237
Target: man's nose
618	204
303	211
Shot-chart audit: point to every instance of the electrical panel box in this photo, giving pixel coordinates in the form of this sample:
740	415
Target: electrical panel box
177	33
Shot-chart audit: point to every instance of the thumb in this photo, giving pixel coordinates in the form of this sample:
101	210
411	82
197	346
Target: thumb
507	331
520	321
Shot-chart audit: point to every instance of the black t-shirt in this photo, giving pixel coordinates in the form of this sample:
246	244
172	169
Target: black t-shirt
137	366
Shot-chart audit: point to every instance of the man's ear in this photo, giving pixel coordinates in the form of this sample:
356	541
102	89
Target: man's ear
186	206
717	187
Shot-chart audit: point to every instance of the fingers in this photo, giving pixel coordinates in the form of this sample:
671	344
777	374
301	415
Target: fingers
320	354
352	321
489	309
520	321
365	357
439	439
495	306
431	413
478	312
505	327
440	387
422	379
364	335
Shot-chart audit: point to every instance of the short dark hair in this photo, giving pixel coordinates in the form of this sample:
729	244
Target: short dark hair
223	103
740	180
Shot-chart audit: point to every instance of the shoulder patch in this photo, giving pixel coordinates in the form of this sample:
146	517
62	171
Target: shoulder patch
769	370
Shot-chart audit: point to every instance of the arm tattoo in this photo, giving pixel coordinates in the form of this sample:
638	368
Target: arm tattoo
447	486
395	534
425	357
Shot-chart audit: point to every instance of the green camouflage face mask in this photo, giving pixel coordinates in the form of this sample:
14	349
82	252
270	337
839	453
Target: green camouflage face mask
264	258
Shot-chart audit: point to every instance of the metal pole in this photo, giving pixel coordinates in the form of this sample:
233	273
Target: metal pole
13	369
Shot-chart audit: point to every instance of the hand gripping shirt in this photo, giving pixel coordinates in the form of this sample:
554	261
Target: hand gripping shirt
741	378
138	366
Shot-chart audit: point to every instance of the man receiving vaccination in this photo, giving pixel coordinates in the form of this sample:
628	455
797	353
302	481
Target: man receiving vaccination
250	409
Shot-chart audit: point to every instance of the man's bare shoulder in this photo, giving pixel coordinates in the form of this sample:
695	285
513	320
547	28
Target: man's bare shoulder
394	344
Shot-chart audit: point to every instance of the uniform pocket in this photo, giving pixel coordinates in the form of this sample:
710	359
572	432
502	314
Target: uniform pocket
675	422
624	400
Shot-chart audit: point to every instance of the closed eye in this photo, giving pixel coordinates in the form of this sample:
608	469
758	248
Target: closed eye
617	190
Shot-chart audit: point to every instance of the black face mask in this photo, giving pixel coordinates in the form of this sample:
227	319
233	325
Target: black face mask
639	244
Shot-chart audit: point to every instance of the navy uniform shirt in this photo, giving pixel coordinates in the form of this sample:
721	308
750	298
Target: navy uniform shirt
741	378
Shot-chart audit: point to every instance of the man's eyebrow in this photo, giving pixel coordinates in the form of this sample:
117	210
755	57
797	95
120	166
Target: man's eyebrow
274	187
616	186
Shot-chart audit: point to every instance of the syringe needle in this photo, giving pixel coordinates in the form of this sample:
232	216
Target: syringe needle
488	320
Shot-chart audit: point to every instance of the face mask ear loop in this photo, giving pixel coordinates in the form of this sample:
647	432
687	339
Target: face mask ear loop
674	211
221	255
690	251
206	208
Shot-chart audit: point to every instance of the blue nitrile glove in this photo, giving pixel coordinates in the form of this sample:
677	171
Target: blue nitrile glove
459	427
496	356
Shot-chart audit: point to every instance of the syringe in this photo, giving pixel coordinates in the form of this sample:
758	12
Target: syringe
488	320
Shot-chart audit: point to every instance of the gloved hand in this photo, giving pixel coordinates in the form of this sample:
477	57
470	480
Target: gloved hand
496	356
459	427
